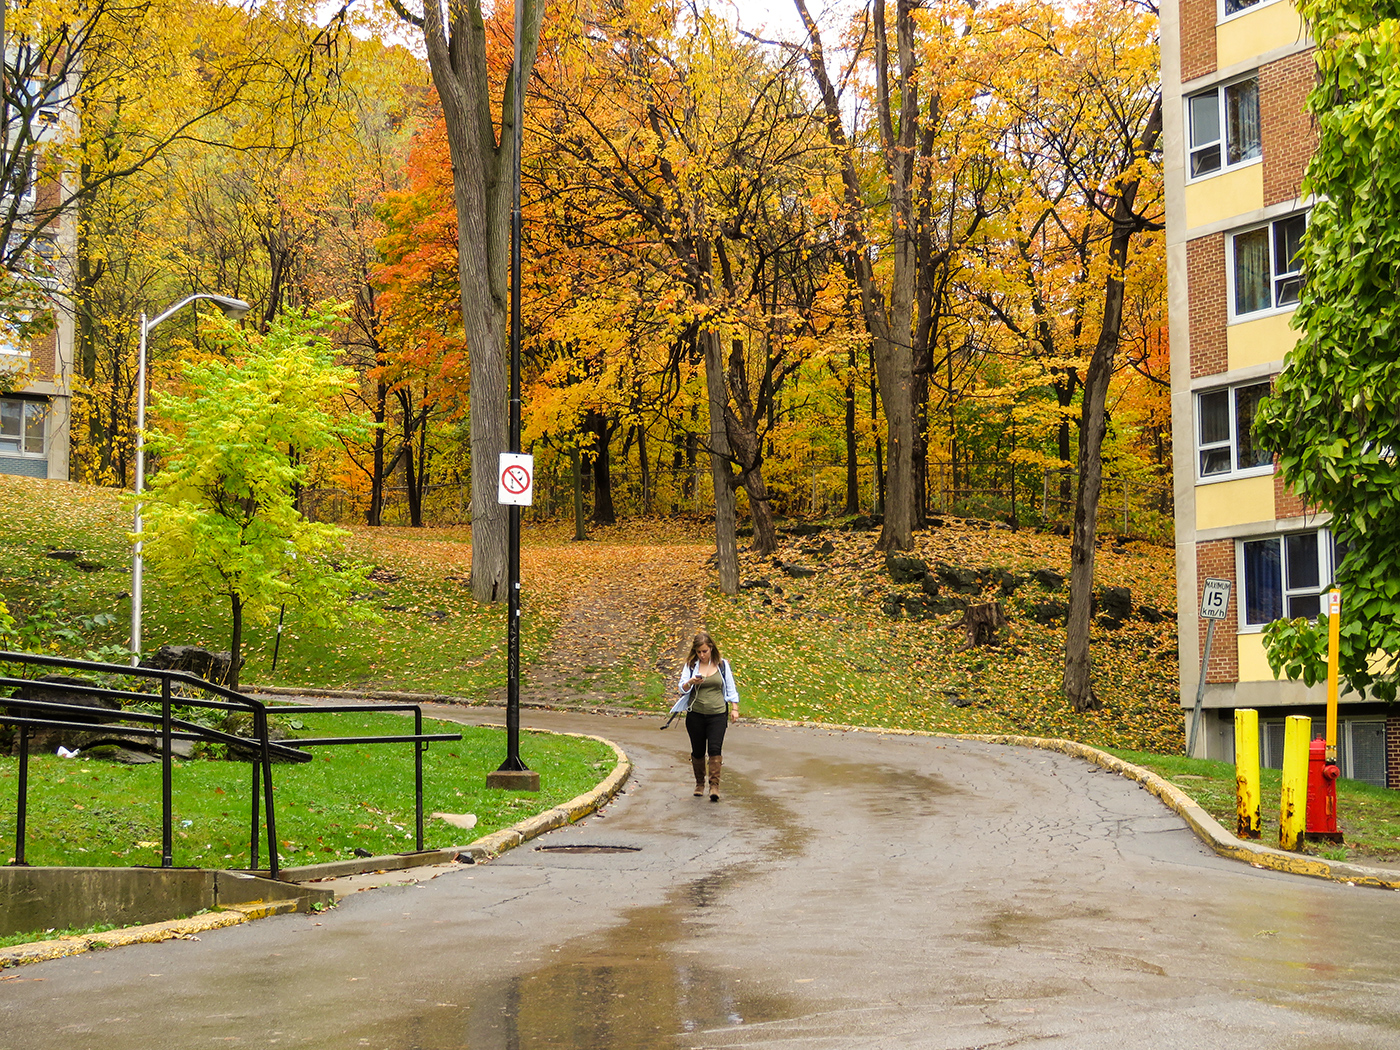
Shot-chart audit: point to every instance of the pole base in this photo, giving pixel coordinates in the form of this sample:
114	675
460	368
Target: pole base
1323	836
514	780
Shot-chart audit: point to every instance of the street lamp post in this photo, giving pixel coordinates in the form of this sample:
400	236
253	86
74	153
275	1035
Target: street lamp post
513	773
234	309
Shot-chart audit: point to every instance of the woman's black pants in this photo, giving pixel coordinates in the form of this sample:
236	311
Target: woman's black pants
706	730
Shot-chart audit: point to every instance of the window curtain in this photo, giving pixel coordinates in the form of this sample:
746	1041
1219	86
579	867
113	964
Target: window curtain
1252	277
1249	454
1263	581
1242	121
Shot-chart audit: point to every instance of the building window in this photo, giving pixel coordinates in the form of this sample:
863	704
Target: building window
1225	432
1267	265
1229	8
21	180
22	426
1223	127
1285	576
14	339
1360	747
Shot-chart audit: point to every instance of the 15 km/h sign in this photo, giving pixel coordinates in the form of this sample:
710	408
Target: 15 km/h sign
516	480
1215	599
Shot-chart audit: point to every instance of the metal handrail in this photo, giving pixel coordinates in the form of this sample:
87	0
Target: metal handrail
18	711
260	743
419	738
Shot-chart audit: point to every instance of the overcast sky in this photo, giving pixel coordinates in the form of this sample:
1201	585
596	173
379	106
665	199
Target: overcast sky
777	19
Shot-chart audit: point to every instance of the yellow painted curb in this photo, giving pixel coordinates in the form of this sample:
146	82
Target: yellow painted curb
262	909
174	929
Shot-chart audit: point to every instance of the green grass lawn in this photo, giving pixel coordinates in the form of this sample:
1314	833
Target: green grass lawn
348	797
416	629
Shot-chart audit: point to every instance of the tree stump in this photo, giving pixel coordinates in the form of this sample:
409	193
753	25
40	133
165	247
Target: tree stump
980	623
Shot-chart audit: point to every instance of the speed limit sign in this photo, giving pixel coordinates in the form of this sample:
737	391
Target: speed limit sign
1215	599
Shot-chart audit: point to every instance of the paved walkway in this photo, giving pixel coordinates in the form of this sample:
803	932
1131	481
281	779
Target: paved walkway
853	890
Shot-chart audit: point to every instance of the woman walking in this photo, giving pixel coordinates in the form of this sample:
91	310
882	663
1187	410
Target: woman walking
707	682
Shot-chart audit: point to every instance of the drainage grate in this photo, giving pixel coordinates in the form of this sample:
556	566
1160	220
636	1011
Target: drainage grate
588	849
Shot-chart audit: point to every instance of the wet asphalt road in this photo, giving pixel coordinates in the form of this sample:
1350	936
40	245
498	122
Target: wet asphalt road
852	890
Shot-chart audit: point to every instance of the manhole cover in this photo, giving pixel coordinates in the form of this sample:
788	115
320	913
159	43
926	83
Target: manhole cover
588	849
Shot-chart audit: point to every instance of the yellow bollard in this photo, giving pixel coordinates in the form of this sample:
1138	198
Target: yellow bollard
1293	797
1246	773
1334	630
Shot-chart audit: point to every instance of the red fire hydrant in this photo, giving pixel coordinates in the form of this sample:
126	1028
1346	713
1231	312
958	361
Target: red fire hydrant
1322	795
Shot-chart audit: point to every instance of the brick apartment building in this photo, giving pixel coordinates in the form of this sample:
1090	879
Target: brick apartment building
35	410
1235	74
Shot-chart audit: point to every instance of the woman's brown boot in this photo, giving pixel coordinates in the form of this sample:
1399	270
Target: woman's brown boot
698	764
716	762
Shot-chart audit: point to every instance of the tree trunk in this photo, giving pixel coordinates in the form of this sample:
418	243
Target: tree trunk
852	466
644	467
889	321
920	454
374	515
1064	396
726	532
1078	680
879	442
741	428
237	645
415	470
576	457
895	370
603	511
408	475
482	184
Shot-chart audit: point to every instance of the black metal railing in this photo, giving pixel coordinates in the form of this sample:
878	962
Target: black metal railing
28	712
418	738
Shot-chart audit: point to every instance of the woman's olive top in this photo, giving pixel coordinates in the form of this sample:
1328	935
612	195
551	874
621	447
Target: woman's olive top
709	696
721	684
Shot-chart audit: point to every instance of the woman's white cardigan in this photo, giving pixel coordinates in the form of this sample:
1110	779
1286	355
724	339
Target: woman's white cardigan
731	695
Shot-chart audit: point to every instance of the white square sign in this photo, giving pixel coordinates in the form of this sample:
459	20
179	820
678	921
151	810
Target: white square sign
515	482
1215	599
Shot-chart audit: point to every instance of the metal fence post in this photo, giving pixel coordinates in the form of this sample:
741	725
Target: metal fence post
256	832
167	834
23	814
419	746
273	862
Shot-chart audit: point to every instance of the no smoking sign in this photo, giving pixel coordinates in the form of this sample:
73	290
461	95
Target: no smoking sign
516	480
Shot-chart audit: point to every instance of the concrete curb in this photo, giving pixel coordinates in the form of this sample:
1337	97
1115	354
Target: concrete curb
174	929
575	809
1206	827
483	849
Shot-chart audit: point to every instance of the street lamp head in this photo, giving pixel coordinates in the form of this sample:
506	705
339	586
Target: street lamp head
234	309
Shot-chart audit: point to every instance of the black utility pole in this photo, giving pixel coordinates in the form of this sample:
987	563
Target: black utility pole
513	773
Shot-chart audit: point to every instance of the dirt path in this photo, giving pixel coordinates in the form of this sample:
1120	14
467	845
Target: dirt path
628	611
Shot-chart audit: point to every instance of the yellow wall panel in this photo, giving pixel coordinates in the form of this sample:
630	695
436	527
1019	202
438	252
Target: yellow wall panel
1271	25
1254	664
1261	341
1225	195
1235	502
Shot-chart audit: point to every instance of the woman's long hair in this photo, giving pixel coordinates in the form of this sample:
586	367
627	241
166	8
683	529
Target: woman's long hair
702	639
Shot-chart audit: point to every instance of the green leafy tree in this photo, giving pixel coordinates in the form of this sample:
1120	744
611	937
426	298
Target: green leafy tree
1332	419
221	515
